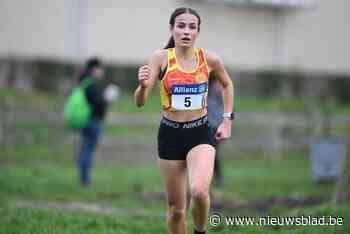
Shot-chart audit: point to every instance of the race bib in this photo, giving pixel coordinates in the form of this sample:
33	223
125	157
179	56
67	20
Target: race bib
188	96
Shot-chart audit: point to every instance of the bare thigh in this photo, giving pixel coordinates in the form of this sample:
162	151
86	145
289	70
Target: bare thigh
200	163
173	173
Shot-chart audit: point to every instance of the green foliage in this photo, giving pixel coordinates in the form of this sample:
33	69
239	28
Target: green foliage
25	100
126	104
44	173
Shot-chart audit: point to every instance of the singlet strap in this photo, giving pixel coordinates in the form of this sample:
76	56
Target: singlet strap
172	63
163	72
203	58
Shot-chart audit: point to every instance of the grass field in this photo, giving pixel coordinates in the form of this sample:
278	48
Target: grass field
40	192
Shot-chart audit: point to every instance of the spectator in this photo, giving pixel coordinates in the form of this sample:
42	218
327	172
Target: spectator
215	112
98	99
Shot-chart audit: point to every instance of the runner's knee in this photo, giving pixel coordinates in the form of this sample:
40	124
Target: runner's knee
199	193
176	214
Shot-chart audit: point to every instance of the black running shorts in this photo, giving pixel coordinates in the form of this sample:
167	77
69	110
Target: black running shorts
176	139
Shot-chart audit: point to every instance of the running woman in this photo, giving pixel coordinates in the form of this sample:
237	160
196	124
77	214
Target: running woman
185	146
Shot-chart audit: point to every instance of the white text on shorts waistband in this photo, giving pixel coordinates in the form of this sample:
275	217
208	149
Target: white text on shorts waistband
185	125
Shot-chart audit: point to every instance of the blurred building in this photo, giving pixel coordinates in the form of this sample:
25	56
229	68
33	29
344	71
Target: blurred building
309	36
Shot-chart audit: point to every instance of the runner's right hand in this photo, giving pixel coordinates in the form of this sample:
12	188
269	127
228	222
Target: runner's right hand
144	75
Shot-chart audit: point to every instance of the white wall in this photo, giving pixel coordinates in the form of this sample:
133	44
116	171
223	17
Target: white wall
31	28
128	32
318	40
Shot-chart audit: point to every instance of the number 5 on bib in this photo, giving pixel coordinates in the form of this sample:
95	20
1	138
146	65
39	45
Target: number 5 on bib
188	96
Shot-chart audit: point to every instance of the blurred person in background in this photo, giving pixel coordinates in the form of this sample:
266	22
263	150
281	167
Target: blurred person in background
98	99
185	145
215	112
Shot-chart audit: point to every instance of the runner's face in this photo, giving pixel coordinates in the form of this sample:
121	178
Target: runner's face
185	30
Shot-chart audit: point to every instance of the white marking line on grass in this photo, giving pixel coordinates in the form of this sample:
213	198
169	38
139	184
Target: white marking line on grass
89	207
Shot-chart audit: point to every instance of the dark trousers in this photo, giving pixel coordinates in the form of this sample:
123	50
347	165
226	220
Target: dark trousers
89	139
217	163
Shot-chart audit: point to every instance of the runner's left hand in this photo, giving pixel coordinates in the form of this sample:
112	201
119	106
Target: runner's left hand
224	130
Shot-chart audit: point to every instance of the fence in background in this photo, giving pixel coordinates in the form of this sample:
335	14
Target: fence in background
269	132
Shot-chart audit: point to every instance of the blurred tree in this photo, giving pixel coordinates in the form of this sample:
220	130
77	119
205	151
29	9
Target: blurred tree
341	193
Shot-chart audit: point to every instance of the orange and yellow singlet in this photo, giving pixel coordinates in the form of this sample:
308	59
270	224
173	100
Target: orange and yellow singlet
184	90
